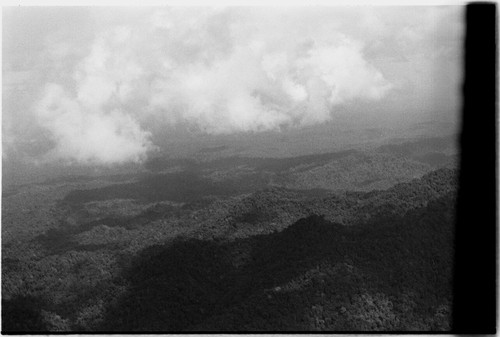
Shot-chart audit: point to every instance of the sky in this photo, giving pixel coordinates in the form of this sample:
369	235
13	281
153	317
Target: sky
99	86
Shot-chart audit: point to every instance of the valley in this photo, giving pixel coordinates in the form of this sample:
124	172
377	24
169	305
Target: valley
356	239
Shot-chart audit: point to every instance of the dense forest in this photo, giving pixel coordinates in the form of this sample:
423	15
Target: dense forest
274	259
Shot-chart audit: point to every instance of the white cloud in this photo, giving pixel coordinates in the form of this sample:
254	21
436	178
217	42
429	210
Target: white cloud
266	79
229	70
90	137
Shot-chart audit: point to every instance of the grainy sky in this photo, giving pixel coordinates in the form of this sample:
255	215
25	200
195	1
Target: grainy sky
94	85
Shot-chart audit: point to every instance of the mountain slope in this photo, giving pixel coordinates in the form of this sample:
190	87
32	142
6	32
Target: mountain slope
276	208
393	274
269	260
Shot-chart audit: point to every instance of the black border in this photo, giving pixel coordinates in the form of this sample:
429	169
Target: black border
474	309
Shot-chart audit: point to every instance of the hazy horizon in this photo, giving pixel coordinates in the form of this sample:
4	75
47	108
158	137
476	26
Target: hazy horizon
107	87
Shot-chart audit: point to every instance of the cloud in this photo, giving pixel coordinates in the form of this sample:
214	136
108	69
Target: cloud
90	136
256	88
89	126
225	70
269	76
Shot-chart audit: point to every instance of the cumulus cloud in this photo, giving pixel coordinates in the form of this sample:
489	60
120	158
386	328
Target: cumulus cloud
262	74
256	88
89	125
217	70
88	135
206	68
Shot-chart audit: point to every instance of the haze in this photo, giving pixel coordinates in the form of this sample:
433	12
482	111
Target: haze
107	87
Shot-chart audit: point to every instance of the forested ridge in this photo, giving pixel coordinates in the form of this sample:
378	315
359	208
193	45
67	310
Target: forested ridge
276	259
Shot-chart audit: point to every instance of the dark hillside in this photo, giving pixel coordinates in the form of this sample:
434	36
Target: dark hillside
315	275
270	260
276	208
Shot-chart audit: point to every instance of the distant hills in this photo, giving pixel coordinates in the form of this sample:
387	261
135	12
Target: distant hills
275	208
